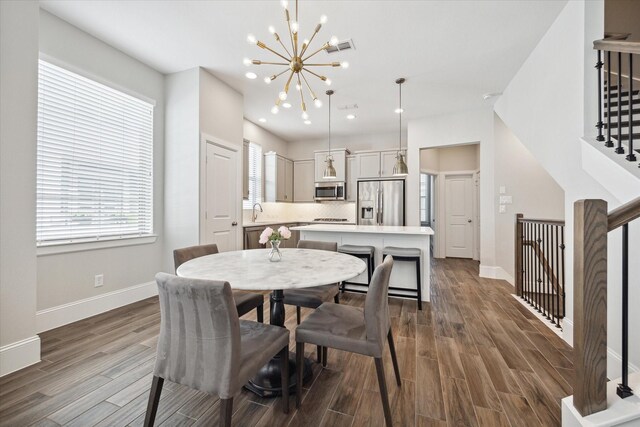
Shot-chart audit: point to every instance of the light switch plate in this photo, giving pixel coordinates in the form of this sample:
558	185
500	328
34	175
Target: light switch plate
503	209
503	189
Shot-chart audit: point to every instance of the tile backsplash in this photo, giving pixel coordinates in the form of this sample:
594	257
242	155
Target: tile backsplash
302	212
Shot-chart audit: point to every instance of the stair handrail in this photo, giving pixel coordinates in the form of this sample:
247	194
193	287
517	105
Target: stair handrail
617	42
624	214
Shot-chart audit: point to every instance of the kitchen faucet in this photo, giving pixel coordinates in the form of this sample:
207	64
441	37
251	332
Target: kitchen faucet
254	215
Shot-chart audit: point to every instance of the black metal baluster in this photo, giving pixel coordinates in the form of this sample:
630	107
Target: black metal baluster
562	259
599	125
619	148
623	389
609	143
557	269
631	156
549	272
538	279
525	264
554	284
528	263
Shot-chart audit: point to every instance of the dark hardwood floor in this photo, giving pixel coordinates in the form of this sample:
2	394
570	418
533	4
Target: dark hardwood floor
473	356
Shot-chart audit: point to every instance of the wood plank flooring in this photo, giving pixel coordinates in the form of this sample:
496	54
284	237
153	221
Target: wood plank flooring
472	357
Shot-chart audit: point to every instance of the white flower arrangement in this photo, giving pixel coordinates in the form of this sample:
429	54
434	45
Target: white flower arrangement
270	235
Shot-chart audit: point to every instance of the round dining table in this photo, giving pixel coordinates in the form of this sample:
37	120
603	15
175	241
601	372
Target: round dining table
251	270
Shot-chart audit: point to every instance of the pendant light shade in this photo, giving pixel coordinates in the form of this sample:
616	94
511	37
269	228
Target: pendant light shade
400	168
329	171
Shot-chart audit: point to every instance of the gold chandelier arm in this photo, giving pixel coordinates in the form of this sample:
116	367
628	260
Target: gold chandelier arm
282	44
258	62
323	78
293	46
305	47
313	95
286	86
330	64
264	46
304	107
324	47
275	76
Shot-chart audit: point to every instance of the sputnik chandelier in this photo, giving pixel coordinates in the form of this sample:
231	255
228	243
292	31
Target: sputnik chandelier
295	61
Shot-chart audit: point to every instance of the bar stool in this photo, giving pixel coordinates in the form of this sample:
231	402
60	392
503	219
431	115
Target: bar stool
363	252
410	255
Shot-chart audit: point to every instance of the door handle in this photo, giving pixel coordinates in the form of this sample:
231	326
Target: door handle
234	223
468	220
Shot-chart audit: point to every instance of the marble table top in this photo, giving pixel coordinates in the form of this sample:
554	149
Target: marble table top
251	269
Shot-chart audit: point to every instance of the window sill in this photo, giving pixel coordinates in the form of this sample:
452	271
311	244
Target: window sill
61	248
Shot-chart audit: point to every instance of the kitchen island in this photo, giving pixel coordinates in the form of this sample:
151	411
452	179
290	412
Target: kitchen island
380	236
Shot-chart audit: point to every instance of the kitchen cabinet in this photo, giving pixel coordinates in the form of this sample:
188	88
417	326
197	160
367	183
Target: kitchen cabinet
376	164
245	169
339	163
252	236
278	174
352	179
304	171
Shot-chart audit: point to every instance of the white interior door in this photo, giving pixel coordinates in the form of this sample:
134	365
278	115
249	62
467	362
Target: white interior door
459	216
222	190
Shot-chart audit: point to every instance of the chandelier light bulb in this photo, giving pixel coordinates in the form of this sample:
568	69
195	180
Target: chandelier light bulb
328	82
344	64
251	39
267	80
298	86
282	95
333	41
272	29
305	116
323	19
294	27
317	103
286	105
274	109
246	61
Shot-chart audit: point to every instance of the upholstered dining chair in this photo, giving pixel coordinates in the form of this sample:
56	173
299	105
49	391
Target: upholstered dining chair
355	330
315	296
245	301
204	345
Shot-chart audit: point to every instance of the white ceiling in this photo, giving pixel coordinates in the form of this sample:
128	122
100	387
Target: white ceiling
451	52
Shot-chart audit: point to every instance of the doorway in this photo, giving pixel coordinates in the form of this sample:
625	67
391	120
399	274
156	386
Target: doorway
459	203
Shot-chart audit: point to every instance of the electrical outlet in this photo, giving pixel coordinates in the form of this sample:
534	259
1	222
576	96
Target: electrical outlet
98	280
503	209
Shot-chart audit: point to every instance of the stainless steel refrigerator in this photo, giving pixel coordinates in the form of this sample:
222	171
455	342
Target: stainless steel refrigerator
381	202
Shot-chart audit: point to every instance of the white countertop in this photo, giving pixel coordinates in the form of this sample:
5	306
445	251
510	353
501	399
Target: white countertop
372	229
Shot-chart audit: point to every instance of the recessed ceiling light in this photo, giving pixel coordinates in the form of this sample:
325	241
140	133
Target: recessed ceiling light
351	116
251	75
307	122
286	105
399	110
262	120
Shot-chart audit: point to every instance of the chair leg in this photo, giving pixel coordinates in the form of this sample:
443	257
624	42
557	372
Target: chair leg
299	370
383	391
394	359
324	357
319	354
284	379
226	410
419	284
336	298
154	398
260	313
298	313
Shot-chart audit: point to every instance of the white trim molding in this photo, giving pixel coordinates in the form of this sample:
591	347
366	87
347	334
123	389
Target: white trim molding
495	272
19	354
61	315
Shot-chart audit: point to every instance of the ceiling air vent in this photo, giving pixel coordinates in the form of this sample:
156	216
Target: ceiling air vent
345	45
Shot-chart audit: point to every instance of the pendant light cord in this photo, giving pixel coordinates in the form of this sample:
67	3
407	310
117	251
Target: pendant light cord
400	130
329	125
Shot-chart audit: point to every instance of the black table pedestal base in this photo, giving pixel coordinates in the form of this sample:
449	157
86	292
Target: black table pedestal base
267	382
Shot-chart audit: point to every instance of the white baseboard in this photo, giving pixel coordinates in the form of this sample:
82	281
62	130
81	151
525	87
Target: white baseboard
19	354
61	315
495	272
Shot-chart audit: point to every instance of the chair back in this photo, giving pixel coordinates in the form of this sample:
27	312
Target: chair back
314	244
376	306
199	341
180	256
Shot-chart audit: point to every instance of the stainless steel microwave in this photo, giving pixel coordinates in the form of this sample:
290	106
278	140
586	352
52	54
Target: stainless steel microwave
330	191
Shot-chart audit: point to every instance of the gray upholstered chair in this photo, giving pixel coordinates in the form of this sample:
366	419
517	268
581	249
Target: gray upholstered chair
245	301
355	330
203	345
317	295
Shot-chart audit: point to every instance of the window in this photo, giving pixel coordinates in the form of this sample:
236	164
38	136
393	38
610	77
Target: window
94	161
255	176
426	199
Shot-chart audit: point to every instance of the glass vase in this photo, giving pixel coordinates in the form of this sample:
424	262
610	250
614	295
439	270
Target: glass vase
275	255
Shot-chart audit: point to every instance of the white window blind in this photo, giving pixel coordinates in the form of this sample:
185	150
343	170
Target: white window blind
94	160
255	176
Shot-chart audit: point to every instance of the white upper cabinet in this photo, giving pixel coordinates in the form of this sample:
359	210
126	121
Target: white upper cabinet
352	179
304	172
278	176
339	163
387	162
375	164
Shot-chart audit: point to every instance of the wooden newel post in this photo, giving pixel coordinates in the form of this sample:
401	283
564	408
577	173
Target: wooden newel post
590	306
518	254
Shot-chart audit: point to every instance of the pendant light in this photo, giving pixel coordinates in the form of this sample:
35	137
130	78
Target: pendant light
400	168
329	171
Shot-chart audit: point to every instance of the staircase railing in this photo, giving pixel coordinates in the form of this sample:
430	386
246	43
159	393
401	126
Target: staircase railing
591	226
620	99
539	265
